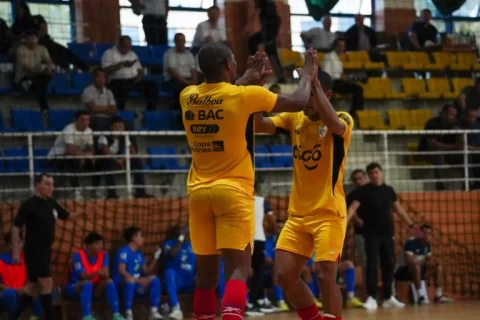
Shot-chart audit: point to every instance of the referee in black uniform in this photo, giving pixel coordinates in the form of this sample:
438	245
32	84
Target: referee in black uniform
38	214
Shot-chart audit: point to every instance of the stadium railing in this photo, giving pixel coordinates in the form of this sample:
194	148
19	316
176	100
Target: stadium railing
439	194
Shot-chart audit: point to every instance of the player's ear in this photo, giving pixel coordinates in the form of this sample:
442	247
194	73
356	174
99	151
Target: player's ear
329	94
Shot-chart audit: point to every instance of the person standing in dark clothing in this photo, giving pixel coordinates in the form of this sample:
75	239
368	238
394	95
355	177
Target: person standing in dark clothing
374	202
38	215
266	10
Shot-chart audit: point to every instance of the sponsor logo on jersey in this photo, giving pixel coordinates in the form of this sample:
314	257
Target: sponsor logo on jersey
207	146
345	118
309	158
204	128
194	100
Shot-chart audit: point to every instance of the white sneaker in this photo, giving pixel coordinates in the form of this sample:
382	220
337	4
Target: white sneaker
128	315
370	304
176	314
154	315
393	303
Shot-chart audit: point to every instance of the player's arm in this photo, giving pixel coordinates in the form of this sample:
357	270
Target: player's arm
322	105
122	267
269	217
408	253
397	207
173	250
149	269
80	270
105	271
352	209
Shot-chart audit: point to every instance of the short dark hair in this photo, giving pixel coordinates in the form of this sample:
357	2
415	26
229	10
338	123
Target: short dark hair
93	237
178	35
335	42
447	106
122	38
426	226
274	86
211	58
427	10
373	165
471	109
80	113
354	173
97	70
39	177
325	80
116	119
213	8
130	232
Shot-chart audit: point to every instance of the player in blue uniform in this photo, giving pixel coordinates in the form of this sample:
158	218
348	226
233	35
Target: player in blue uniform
133	276
179	267
90	276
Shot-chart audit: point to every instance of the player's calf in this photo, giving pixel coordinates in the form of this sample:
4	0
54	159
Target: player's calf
204	298
326	272
347	269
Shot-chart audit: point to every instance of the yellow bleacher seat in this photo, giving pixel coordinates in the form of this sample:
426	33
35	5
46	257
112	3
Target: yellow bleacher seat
363	58
381	88
441	86
460	83
291	58
370	120
396	59
444	59
412	159
415	88
466	61
398	118
320	56
349	65
420	61
418	118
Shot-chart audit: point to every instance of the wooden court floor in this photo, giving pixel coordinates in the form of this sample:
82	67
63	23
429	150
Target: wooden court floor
459	310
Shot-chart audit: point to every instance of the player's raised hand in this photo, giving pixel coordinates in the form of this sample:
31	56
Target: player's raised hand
255	73
310	68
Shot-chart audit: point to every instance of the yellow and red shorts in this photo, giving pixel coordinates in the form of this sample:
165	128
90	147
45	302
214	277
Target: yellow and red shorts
323	235
220	217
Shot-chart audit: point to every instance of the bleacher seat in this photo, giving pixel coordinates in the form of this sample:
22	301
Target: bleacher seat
418	118
441	86
262	161
161	120
363	58
415	88
381	88
59	119
396	59
158	52
444	59
81	80
460	83
285	161
350	65
27	120
320	57
144	54
21	163
290	58
466	61
5	90
61	85
41	165
2	125
370	120
126	115
85	51
420	61
163	163
398	118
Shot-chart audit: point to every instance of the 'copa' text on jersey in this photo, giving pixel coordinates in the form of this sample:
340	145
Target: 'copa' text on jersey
207	146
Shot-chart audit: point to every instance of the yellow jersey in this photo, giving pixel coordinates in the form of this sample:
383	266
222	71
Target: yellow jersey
215	117
318	164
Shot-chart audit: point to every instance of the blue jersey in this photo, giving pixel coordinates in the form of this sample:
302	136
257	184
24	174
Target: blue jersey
184	261
78	267
417	247
270	243
134	261
310	261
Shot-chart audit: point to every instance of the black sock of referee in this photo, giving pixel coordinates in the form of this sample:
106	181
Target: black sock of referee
47	305
25	302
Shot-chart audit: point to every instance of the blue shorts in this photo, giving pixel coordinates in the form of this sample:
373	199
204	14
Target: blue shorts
185	282
139	291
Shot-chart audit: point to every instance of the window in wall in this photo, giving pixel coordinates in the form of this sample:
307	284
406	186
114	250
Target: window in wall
469	9
342	6
131	25
468	26
6	12
303	23
205	4
440	25
58	18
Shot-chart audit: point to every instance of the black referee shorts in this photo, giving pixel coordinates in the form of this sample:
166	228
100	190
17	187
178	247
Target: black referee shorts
37	261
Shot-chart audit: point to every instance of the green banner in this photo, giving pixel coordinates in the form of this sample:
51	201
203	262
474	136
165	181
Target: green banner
447	7
318	8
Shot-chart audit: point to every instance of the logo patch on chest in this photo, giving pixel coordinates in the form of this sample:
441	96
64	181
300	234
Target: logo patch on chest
322	131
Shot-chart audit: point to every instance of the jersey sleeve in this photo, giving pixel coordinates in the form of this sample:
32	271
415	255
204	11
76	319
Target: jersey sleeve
106	261
141	259
22	215
409	247
259	99
267	208
62	213
168	245
394	194
283	121
77	264
122	256
348	121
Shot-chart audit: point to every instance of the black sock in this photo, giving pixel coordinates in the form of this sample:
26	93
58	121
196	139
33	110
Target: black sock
47	305
25	302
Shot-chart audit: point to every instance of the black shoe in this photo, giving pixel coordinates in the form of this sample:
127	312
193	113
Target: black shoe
266	308
254	311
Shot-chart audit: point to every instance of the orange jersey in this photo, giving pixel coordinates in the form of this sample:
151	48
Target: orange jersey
318	164
215	117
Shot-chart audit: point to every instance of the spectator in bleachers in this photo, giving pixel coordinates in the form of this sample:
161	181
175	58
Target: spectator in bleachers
179	68
469	97
341	82
360	37
115	145
441	142
6	37
99	101
179	267
23	22
422	34
125	74
76	139
211	30
470	122
33	69
154	19
420	266
318	38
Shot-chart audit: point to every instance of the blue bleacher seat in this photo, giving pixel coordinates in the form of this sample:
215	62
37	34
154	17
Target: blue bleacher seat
4	58
3	162
27	120
17	165
82	50
158	51
5	90
163	163
59	119
41	165
262	161
127	115
2	125
161	120
81	80
60	84
282	161
144	54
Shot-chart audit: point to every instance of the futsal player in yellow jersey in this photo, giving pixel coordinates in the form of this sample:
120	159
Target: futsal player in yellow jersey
221	177
317	209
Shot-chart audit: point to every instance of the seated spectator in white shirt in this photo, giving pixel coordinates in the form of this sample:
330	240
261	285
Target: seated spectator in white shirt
33	69
125	73
341	82
179	67
320	39
99	101
115	145
76	140
211	30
